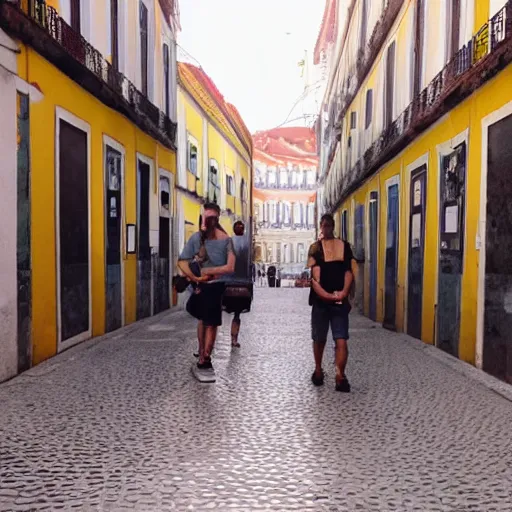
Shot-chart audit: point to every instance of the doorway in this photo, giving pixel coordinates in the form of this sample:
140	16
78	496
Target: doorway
24	267
391	270
373	259
451	248
163	270
144	291
73	234
114	206
417	211
359	255
497	331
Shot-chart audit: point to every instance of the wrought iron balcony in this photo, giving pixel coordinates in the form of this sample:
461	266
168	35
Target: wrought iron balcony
43	29
489	51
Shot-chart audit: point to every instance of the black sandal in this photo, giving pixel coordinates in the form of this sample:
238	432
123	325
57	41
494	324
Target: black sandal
343	386
317	381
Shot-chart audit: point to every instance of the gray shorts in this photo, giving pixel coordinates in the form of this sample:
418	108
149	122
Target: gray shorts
324	315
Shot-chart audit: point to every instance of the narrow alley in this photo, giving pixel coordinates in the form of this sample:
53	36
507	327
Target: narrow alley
119	423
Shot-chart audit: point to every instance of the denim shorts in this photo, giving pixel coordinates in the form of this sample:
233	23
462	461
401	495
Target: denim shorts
324	315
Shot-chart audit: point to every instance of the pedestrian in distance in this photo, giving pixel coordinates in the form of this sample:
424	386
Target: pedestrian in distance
330	260
238	295
212	249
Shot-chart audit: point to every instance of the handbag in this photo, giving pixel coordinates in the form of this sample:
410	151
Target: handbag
237	291
181	283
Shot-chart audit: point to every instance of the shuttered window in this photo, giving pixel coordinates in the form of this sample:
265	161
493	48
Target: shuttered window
143	18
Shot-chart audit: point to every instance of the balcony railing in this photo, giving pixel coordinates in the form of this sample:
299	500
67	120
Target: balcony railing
483	56
130	99
278	186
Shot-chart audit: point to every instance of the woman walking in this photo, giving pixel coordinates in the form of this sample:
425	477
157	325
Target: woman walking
211	248
330	260
238	295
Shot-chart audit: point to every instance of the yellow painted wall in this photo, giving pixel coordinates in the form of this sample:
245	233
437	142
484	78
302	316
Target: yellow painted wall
191	213
60	91
468	115
194	122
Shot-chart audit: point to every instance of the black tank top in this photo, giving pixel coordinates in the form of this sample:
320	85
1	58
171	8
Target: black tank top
332	273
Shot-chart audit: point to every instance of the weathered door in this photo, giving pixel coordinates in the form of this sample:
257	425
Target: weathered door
24	269
359	256
417	211
497	345
113	222
391	270
374	231
162	281
73	225
344	225
451	248
144	292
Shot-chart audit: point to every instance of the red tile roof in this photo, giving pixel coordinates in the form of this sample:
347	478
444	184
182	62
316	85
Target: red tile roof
202	88
291	144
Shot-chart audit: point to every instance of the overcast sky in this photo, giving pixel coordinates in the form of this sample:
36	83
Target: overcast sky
251	50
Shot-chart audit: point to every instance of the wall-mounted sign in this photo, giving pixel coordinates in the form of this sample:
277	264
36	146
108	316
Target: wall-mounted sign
131	239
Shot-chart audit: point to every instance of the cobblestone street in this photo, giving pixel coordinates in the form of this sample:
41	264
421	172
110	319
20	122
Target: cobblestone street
120	424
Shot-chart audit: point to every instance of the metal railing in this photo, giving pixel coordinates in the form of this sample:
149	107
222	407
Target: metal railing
424	107
84	53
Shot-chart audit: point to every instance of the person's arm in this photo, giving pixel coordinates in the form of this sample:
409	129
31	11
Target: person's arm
184	266
322	294
312	256
349	274
190	250
228	268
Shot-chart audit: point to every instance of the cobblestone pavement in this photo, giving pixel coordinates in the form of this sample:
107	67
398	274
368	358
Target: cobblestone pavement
121	424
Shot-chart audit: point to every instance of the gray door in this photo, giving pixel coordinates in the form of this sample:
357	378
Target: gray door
391	269
497	347
24	269
73	231
416	251
113	225
451	249
144	265
359	256
374	232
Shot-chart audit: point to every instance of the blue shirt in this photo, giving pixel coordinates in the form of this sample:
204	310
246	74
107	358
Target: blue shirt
217	251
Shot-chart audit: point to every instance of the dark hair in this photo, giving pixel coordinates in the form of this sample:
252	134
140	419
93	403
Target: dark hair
328	218
212	206
238	223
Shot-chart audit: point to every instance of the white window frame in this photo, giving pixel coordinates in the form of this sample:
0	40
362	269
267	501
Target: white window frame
192	140
164	173
68	117
112	143
168	39
423	160
487	122
443	150
151	49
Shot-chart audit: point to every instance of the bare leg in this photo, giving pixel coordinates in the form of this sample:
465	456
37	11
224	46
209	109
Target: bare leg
209	341
341	359
200	339
318	351
235	329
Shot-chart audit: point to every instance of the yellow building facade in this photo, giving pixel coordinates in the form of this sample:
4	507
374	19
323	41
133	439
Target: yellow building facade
216	165
101	164
413	157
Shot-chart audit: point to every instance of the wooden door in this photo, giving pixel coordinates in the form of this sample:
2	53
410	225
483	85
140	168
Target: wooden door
417	212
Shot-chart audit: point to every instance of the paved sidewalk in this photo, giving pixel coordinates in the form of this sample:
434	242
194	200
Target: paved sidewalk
120	424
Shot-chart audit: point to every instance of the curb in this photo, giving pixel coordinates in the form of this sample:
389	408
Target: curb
50	365
473	373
